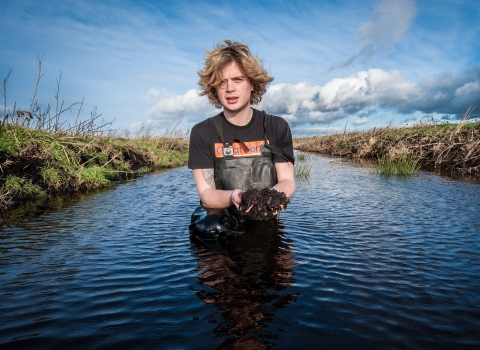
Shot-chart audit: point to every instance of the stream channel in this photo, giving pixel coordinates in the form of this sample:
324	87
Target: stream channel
357	261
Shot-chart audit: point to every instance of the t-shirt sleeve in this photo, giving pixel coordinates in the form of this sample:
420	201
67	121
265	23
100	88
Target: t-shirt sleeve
199	154
283	139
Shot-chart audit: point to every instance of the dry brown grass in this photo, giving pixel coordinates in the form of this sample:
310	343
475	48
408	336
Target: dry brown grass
447	146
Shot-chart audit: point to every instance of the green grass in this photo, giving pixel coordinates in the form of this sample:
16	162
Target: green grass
95	157
168	159
22	187
144	170
47	155
95	177
345	145
8	144
302	167
51	176
36	163
402	166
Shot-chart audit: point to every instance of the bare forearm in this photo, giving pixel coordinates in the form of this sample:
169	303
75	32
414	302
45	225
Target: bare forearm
217	199
220	199
287	186
211	197
285	178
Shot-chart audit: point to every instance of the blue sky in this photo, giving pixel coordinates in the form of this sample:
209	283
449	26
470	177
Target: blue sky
336	64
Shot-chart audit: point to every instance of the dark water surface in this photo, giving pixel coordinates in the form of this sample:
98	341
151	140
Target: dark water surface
356	261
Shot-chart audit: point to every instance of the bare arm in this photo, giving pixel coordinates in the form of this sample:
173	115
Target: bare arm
219	199
285	178
211	197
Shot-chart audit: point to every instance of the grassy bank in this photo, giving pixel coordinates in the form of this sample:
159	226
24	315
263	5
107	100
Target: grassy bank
43	154
37	163
455	147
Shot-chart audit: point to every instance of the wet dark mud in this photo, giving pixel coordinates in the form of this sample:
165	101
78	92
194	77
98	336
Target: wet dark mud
264	203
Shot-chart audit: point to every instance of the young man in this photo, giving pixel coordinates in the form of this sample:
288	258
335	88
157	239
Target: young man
241	148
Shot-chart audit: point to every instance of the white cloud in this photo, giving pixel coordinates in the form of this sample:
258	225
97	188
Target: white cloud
391	19
153	94
170	105
468	88
340	97
360	95
445	93
114	53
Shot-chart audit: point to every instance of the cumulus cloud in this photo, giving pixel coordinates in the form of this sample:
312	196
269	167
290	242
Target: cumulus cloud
153	94
169	106
341	97
445	93
362	93
391	19
359	95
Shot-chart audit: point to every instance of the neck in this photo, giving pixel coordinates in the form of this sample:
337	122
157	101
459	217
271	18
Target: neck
239	118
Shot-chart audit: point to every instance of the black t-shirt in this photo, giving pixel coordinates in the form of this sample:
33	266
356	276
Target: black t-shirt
203	138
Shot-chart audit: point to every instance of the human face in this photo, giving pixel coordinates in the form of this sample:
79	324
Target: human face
235	90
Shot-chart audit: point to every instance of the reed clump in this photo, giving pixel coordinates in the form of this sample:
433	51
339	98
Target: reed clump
302	167
401	166
429	145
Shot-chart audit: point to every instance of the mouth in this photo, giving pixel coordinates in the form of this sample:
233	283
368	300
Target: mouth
232	100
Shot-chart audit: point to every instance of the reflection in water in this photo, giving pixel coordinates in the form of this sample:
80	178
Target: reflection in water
247	280
363	262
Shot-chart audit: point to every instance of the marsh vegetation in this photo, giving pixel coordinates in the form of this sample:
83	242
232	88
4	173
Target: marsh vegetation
43	154
302	167
402	151
36	163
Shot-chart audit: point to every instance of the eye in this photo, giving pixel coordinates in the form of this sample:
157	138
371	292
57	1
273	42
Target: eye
223	83
238	79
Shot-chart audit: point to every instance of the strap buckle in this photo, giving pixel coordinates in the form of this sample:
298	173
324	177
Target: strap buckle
228	151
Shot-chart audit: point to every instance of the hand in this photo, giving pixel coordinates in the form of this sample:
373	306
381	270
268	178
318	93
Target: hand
282	207
236	198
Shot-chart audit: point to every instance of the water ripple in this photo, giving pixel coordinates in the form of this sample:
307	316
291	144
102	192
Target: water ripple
357	260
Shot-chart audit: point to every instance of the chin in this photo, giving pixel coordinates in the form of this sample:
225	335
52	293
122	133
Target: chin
235	109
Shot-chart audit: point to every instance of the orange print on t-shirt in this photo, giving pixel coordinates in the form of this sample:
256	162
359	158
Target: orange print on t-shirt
254	149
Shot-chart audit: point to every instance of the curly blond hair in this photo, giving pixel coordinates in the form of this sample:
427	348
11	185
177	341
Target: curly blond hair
221	56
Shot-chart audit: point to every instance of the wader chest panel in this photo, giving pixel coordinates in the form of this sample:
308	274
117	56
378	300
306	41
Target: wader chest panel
245	173
248	172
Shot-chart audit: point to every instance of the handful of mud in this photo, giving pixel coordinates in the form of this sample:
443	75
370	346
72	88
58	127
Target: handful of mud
264	204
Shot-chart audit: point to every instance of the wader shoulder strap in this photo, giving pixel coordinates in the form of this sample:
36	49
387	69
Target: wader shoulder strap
217	123
278	151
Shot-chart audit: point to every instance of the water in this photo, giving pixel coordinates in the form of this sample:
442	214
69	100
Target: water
356	261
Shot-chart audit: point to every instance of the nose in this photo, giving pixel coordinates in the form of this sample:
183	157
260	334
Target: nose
230	86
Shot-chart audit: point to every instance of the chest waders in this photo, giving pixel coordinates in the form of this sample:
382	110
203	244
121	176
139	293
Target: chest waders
247	172
230	173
